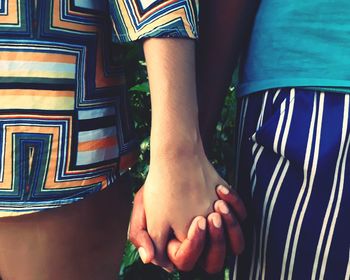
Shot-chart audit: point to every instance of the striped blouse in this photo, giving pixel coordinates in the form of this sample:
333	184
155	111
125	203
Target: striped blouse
64	123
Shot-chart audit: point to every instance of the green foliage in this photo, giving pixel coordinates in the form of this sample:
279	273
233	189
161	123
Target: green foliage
221	157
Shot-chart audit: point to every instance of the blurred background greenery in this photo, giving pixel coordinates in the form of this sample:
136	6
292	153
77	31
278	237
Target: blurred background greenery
221	156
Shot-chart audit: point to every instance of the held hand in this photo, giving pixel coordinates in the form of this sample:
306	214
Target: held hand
185	255
222	225
209	252
176	191
190	249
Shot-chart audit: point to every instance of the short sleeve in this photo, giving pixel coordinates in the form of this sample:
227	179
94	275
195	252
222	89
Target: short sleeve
138	19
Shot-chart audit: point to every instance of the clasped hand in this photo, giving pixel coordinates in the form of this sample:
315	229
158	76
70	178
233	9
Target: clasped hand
181	200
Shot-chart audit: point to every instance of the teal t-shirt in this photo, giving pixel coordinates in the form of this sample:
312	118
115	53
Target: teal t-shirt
298	43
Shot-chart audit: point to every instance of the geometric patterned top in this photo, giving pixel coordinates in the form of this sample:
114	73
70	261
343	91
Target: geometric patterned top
64	123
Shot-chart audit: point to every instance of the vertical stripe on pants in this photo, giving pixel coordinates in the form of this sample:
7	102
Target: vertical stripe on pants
294	176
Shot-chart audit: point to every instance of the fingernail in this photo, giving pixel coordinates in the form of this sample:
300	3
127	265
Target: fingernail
216	221
143	254
167	269
193	228
223	189
223	208
202	224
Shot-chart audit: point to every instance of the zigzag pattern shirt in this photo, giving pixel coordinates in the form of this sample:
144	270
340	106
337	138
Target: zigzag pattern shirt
65	129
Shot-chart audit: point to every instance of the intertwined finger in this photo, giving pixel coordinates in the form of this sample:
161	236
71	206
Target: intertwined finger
232	226
214	255
231	197
186	254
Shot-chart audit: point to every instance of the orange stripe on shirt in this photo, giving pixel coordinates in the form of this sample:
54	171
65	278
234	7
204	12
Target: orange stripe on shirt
12	16
57	22
97	144
101	79
38	57
49	93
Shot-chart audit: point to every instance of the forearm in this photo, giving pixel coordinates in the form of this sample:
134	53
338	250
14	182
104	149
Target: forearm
171	71
224	27
181	182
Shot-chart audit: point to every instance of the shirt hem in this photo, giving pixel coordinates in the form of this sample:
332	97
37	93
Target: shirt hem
252	87
13	209
122	38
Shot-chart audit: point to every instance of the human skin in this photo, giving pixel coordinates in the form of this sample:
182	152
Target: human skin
82	240
224	224
181	181
217	56
171	202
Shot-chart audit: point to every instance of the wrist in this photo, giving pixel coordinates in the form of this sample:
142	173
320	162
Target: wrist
178	146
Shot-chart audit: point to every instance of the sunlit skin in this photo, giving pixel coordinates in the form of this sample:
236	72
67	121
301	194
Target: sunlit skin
197	248
181	184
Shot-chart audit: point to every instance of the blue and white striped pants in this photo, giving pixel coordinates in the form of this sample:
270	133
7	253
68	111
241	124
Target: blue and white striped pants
294	176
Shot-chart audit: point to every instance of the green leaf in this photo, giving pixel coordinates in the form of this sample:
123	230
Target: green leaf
144	87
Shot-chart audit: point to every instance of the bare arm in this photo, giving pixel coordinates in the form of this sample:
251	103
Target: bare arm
171	70
224	29
181	181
